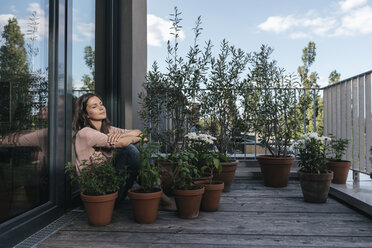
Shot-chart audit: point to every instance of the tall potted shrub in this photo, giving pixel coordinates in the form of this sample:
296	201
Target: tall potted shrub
336	149
99	186
145	199
219	103
269	104
315	179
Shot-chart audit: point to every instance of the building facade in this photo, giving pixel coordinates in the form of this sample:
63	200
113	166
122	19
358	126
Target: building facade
51	52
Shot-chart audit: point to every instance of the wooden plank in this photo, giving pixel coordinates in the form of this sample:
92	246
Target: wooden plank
334	111
338	111
362	153
355	126
368	122
343	111
348	111
70	239
325	111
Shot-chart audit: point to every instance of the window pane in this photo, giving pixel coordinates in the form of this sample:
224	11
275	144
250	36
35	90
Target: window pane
24	169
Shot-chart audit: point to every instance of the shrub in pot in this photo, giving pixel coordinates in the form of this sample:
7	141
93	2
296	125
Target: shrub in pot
336	148
315	179
145	199
269	104
99	184
207	161
188	195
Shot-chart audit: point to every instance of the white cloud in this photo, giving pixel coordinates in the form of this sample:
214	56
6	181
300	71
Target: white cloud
13	9
322	81
351	4
4	19
353	17
158	30
83	32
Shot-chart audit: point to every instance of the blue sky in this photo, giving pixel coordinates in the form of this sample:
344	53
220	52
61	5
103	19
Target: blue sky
341	29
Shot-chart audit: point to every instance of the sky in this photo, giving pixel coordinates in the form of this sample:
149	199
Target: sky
341	30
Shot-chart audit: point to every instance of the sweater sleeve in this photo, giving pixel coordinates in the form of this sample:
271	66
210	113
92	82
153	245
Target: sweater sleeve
118	130
93	138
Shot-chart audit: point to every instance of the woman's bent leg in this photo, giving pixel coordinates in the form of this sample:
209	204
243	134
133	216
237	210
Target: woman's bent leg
127	158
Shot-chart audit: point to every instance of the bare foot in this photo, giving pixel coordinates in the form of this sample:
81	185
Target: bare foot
167	204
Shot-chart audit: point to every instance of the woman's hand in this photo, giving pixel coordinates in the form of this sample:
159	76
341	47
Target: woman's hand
113	138
125	141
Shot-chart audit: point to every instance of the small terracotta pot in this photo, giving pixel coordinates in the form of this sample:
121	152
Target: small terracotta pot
227	174
315	187
212	194
340	170
275	170
145	205
99	208
188	201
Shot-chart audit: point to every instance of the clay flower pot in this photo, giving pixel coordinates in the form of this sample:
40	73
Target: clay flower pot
99	208
188	201
212	194
315	187
340	170
145	205
275	170
227	174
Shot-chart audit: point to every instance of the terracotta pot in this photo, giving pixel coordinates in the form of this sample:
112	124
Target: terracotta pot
99	208
212	194
315	187
188	201
227	174
275	170
340	170
145	205
166	177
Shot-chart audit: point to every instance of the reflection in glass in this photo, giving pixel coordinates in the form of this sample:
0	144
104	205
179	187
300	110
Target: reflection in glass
24	172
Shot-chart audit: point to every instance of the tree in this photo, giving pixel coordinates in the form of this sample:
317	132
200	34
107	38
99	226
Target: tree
308	94
89	80
334	77
15	83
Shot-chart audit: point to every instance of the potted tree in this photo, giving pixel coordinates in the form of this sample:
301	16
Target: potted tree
207	161
145	199
315	179
219	104
336	149
99	184
188	195
269	104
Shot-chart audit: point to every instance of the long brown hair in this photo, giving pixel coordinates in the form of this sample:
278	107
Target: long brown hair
81	119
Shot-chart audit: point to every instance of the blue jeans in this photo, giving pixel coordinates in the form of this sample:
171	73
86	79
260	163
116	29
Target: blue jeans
127	158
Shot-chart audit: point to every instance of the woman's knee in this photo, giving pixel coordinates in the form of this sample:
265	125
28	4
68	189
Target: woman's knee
130	155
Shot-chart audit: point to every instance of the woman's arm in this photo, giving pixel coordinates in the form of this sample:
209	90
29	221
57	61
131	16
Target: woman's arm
125	141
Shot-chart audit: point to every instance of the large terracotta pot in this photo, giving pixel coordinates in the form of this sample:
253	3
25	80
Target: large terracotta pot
315	187
145	205
99	208
166	176
188	201
227	174
340	170
212	194
275	170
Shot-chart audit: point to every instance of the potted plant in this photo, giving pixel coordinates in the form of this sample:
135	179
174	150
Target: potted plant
188	195
219	103
336	149
99	184
207	161
145	199
269	104
315	179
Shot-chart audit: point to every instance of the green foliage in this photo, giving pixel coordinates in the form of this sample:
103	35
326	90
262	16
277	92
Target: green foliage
96	178
89	58
168	95
312	153
334	77
148	175
272	103
183	169
337	148
218	103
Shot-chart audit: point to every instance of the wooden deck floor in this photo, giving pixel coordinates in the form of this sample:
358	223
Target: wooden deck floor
251	215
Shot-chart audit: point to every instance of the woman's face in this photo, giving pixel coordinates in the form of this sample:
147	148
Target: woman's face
95	109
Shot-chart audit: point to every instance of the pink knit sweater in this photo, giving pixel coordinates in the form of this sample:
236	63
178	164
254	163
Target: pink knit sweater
90	143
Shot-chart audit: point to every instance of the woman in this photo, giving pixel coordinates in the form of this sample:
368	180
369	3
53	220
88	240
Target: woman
94	136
